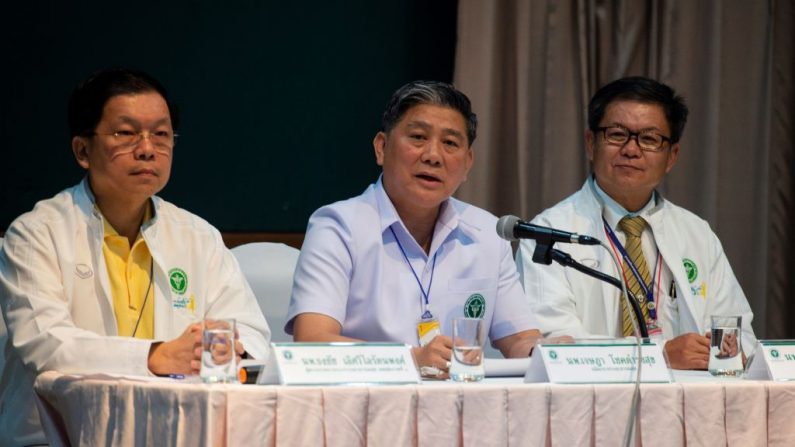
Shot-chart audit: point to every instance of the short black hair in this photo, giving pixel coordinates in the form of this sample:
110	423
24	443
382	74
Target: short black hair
429	92
90	96
641	89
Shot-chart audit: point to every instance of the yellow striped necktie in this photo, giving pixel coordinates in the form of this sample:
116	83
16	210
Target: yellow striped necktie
633	227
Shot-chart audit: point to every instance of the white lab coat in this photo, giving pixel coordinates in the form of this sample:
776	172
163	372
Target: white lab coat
57	303
566	301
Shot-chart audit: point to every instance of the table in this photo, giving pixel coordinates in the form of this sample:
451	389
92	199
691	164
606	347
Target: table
101	410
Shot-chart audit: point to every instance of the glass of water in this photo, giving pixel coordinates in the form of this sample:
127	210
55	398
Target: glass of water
726	351
467	362
219	363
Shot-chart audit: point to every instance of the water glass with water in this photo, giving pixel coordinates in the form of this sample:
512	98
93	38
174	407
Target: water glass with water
466	364
726	353
219	361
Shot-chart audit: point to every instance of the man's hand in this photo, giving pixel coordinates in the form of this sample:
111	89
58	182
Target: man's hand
688	351
179	356
437	354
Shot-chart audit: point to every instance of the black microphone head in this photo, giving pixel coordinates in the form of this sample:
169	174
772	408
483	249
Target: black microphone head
505	227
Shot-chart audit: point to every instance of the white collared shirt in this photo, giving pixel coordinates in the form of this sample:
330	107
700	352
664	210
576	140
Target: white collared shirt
613	212
352	269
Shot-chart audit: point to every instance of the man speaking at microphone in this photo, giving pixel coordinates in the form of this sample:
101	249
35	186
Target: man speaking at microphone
400	261
671	260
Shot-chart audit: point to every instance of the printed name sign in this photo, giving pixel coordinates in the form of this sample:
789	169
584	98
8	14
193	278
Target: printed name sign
772	360
612	362
342	364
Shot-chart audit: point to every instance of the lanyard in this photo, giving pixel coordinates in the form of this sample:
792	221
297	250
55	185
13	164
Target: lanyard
426	314
648	290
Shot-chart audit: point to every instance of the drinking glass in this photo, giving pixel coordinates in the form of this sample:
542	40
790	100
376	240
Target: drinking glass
219	363
726	353
466	364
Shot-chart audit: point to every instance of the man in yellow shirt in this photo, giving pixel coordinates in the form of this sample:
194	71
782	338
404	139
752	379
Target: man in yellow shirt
106	276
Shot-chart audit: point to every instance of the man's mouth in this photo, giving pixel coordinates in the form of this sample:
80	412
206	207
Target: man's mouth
428	178
150	172
625	166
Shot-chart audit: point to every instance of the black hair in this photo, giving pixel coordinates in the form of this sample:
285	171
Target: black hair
641	89
429	92
90	96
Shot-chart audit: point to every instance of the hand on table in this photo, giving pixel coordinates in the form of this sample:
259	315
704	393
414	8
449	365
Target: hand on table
181	355
435	354
688	351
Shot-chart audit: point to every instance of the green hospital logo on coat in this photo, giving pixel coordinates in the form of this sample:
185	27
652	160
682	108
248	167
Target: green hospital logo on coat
178	280
690	269
475	306
774	353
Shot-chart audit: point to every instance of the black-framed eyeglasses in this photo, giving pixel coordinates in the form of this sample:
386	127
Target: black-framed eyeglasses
127	138
646	140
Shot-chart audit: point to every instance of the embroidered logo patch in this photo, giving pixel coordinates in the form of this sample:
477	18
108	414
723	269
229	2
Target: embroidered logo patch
690	269
475	306
178	280
774	353
553	355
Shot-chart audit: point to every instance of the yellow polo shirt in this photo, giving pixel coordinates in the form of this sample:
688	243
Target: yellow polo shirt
129	271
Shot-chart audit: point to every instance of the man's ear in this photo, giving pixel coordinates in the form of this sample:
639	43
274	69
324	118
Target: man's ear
80	149
673	155
378	146
589	143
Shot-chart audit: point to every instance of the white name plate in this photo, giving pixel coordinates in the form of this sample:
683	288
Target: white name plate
772	360
608	362
343	364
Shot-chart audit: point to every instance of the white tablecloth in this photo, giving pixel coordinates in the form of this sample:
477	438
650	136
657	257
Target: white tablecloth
500	412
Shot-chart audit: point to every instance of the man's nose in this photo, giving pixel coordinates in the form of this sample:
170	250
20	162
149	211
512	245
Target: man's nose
631	147
433	151
145	148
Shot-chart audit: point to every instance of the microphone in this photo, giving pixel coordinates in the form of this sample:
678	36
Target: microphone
511	228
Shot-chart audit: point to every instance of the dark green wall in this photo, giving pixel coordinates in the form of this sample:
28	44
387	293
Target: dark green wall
279	100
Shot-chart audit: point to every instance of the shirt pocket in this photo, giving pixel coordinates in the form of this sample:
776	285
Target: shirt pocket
471	284
470	297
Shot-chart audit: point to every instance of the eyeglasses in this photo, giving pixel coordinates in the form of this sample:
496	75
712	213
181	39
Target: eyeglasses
647	141
161	139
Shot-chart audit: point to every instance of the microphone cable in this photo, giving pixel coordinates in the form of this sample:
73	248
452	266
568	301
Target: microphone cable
632	418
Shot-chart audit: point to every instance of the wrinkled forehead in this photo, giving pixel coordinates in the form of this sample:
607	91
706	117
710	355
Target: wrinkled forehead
135	108
429	115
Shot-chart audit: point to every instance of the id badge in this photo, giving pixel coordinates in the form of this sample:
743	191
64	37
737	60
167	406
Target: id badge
428	327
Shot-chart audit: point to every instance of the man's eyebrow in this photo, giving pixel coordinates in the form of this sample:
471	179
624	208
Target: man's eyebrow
454	132
425	126
131	120
645	129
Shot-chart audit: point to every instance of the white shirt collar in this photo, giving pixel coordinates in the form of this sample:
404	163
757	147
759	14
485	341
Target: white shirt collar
613	212
447	221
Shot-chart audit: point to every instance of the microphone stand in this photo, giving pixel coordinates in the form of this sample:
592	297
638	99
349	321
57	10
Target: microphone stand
545	254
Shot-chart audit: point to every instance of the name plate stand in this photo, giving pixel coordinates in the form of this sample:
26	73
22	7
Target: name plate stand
772	360
341	364
611	362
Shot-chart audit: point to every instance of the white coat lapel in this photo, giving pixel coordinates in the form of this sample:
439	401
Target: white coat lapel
672	256
593	221
94	239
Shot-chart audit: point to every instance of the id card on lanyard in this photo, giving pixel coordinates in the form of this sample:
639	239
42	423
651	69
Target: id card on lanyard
648	289
428	326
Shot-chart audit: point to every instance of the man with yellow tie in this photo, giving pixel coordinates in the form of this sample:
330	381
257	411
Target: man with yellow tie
671	260
106	277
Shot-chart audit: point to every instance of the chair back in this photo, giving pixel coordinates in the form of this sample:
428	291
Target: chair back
269	268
